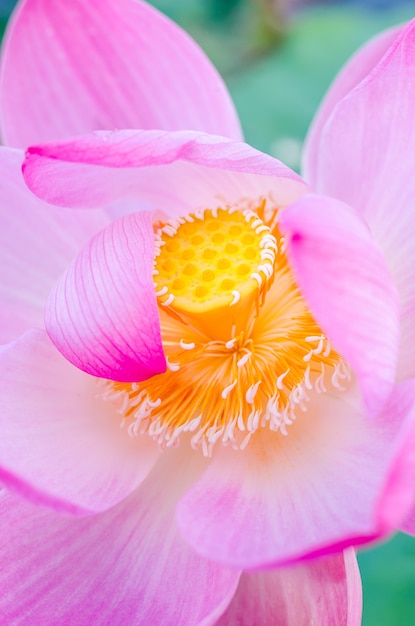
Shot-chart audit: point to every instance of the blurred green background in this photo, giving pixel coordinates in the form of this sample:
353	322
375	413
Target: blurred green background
278	57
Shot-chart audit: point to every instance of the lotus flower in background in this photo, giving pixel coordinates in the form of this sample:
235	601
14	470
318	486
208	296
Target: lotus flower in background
254	339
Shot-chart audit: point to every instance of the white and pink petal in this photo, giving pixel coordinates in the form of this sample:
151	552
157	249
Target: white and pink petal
122	66
366	158
62	445
128	565
398	493
174	172
343	275
37	241
323	591
357	68
311	492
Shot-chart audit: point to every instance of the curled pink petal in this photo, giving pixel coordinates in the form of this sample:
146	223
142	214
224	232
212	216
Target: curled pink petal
325	591
61	444
122	66
126	566
347	284
102	315
45	238
196	170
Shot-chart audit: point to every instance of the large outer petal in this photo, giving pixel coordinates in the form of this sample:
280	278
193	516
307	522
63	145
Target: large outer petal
343	276
284	499
37	241
125	567
73	67
61	443
325	592
176	172
102	315
355	70
366	157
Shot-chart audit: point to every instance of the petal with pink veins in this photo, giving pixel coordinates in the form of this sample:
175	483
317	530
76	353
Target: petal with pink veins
37	241
102	315
311	492
323	591
128	565
122	66
354	71
344	278
61	444
175	172
366	157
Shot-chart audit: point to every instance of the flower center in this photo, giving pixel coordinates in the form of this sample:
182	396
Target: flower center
242	347
211	269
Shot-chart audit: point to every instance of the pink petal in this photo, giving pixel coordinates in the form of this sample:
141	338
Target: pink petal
286	498
61	443
367	159
406	360
344	277
102	315
398	493
117	65
355	70
190	170
327	592
408	526
127	566
37	241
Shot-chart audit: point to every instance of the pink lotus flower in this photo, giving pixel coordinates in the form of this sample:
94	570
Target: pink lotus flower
249	441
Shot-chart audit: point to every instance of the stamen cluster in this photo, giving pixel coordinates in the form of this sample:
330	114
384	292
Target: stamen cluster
242	348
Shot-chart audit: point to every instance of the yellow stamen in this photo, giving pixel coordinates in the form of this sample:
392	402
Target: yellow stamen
242	348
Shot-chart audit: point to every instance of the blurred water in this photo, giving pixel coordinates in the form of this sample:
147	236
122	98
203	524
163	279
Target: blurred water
6	7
